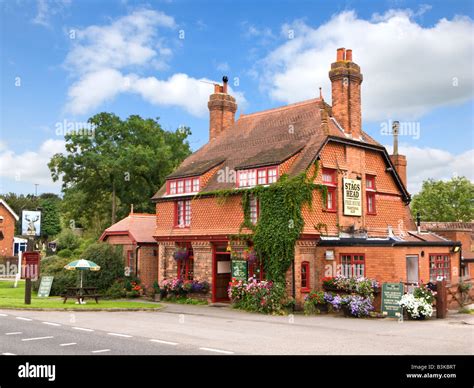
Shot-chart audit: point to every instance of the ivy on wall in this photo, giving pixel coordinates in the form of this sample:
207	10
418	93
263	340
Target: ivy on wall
280	221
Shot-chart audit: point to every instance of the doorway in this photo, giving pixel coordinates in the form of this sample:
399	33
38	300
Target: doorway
222	273
412	271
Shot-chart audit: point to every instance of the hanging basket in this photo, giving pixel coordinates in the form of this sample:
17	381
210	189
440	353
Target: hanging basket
180	254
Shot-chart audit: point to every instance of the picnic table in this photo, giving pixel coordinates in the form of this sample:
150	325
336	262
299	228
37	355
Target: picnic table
81	293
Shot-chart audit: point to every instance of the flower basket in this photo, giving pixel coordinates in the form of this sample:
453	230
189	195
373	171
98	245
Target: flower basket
180	254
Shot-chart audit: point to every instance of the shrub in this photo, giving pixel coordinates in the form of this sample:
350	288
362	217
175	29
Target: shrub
116	290
68	240
356	305
423	292
417	308
265	296
65	253
54	266
110	260
313	301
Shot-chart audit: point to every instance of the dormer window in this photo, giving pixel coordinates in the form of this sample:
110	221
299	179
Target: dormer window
260	176
183	186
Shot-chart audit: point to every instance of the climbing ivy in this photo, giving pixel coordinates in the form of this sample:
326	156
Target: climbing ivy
280	220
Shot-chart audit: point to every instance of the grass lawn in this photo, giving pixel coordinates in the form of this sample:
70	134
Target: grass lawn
15	298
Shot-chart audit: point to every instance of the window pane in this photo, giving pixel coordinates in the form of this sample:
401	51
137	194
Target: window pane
187	187
329	176
187	218
172	187
252	178
272	175
253	210
180	213
243	179
195	185
180	187
262	177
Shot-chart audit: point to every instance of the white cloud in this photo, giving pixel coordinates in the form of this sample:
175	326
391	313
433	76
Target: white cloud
408	69
106	61
30	166
48	8
425	163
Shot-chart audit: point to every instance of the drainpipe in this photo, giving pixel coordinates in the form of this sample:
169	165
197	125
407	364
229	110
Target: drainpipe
293	284
136	259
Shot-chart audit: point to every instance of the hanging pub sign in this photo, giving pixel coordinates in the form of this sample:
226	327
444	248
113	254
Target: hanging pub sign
31	223
352	196
239	269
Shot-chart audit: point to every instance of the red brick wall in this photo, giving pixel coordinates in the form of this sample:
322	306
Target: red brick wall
7	227
148	265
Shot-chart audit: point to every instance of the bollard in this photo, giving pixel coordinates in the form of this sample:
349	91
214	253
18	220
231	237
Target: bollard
441	299
28	291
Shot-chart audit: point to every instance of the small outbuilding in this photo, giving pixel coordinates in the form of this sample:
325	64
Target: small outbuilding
140	251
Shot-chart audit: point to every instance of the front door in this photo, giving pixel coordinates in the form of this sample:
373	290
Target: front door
412	271
222	273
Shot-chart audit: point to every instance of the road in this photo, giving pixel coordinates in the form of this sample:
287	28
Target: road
195	330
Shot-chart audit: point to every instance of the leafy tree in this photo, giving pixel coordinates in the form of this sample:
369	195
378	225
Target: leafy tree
123	162
442	201
50	219
68	240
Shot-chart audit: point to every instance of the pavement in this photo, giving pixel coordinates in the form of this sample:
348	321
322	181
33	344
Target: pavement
190	330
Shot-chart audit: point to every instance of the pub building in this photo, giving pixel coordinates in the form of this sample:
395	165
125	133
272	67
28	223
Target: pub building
368	230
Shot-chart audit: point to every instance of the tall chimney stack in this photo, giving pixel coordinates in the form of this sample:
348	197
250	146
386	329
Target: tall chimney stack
222	108
399	161
345	79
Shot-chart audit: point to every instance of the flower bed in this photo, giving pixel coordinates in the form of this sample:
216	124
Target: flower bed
264	296
361	285
183	288
352	305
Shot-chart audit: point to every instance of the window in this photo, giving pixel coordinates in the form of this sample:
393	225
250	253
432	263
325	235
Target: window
186	267
440	265
130	263
256	270
370	194
330	181
261	176
183	214
305	286
353	265
254	210
183	186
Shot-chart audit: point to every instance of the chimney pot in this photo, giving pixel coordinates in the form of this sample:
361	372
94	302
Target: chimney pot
224	84
341	53
349	55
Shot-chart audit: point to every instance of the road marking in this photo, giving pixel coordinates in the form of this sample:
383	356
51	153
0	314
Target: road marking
82	328
101	351
69	344
9	354
164	342
52	323
3	315
120	335
23	319
217	350
37	338
14	333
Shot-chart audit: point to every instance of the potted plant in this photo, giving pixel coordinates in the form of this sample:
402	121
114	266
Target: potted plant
315	303
180	254
416	308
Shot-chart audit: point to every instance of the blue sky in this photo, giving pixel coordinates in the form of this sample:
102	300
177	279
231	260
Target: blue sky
64	60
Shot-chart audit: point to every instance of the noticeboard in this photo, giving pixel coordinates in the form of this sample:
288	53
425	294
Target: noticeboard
239	269
391	295
45	286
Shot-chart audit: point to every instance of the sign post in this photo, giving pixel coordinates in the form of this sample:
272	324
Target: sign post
391	294
239	269
45	286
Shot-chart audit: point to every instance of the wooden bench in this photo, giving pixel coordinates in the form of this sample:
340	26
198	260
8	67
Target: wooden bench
81	293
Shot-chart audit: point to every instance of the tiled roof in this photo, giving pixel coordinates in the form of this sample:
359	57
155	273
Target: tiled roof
448	226
139	226
264	138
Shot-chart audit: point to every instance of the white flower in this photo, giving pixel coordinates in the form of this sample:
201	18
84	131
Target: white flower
416	307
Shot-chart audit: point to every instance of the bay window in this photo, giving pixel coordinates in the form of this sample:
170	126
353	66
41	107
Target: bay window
183	186
260	176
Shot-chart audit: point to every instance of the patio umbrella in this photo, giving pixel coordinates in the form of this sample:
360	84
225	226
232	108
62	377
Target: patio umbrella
82	265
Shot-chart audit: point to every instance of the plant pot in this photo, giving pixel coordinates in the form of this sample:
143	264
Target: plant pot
322	307
347	311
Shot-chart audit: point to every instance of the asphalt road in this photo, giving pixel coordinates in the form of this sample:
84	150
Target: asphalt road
183	329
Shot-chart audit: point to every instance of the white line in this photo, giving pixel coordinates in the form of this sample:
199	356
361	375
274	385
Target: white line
101	351
3	315
14	333
164	342
120	335
52	323
217	350
37	338
82	328
24	319
69	344
9	354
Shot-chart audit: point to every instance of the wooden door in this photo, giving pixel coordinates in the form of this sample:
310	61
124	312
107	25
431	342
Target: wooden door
222	274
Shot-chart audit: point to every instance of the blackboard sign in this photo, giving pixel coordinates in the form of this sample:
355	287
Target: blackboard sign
239	269
45	286
391	295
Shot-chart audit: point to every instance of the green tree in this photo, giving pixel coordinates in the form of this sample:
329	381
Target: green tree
122	162
50	220
442	201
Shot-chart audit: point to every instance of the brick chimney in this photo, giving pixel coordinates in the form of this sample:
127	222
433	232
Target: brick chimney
345	79
222	108
399	161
